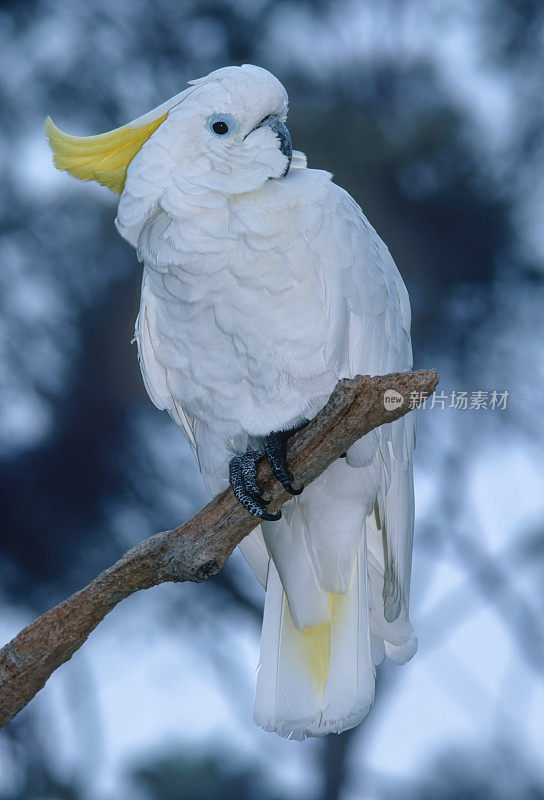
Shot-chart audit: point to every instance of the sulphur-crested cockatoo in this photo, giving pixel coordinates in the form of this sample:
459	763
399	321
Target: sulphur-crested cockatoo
263	284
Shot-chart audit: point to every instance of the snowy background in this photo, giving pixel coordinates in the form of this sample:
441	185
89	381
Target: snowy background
431	115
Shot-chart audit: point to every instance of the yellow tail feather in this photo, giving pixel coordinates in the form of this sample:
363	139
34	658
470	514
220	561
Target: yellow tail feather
315	642
103	158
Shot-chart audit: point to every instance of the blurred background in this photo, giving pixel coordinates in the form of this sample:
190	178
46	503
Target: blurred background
431	115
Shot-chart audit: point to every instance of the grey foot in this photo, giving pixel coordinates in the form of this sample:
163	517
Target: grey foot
243	474
243	479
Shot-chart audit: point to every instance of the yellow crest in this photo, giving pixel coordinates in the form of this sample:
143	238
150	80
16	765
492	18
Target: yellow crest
103	158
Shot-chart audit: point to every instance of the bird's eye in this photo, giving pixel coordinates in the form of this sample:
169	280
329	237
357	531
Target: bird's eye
220	127
222	123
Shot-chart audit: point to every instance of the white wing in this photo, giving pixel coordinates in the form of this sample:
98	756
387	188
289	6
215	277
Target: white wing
155	375
370	334
368	311
313	548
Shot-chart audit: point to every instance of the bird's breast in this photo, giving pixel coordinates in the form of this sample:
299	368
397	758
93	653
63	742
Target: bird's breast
240	319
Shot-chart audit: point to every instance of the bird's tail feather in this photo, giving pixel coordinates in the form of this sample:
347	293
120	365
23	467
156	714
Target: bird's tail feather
320	679
393	638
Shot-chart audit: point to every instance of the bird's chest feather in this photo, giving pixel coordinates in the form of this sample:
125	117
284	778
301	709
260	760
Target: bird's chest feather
239	316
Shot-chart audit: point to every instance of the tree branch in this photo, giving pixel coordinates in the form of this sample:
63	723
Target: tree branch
199	548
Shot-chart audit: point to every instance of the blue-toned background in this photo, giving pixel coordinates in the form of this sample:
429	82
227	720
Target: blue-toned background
431	115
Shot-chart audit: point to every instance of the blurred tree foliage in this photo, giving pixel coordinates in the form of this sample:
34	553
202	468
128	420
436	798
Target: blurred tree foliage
178	777
86	464
458	775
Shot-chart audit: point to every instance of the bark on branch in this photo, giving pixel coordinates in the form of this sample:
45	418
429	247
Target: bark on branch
199	548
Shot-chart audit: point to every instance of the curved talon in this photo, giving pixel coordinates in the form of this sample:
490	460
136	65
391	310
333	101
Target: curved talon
275	447
243	479
271	517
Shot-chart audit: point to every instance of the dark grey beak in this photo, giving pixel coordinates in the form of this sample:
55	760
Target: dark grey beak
284	137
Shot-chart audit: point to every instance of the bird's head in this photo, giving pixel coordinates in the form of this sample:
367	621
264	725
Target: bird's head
226	133
229	134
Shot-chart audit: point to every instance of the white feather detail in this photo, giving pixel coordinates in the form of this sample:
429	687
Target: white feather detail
290	549
255	553
154	374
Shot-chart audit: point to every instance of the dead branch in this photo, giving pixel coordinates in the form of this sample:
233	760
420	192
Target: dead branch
198	549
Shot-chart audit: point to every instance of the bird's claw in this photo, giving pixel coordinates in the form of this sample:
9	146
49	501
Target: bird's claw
243	479
243	474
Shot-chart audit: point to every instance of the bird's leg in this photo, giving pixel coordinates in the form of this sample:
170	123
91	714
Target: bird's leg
275	447
243	479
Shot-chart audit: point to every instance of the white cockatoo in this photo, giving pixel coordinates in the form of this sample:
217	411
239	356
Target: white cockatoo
263	284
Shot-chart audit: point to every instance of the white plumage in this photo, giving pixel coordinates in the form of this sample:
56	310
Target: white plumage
259	292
